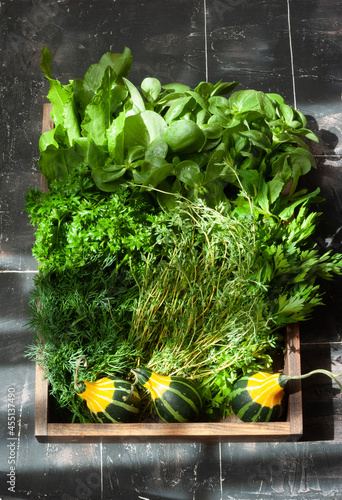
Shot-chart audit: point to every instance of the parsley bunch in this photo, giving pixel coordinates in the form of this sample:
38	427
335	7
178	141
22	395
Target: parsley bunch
77	223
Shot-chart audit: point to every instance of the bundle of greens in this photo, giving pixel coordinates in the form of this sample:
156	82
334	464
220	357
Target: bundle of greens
174	233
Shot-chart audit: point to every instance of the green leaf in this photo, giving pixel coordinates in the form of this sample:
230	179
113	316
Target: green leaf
46	139
214	194
98	113
87	88
250	180
301	161
152	172
275	187
203	116
158	174
138	102
189	172
252	100
276	98
184	136
281	164
203	104
308	134
215	166
109	178
45	62
134	154
58	94
57	163
257	138
262	197
223	88
91	154
151	88
212	130
71	123
287	112
120	63
288	212
168	194
176	87
52	164
205	89
158	147
219	105
179	107
116	138
143	128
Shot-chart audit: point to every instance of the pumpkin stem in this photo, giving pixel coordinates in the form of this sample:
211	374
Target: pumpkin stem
136	379
313	372
127	398
78	363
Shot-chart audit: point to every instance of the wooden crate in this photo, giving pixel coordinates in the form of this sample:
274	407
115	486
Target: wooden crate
229	430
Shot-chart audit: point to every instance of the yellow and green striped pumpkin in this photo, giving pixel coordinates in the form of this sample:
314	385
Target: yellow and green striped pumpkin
259	397
175	398
111	400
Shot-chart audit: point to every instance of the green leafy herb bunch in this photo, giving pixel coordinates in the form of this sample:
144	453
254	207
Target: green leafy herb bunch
174	234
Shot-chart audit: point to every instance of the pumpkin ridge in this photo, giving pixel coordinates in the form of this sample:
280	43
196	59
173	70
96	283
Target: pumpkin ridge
175	415
244	409
185	398
157	384
259	390
125	406
96	403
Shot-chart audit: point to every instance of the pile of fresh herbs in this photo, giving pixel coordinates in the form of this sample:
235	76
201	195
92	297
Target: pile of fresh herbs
174	234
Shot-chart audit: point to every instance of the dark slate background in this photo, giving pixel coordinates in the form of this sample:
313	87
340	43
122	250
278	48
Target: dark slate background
285	46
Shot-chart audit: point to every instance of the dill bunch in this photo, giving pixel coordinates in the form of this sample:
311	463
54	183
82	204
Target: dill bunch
82	313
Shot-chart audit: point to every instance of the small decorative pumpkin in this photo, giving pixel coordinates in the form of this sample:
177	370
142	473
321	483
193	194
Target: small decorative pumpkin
260	396
110	399
175	399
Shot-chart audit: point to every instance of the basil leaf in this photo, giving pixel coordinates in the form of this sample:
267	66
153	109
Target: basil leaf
223	88
176	87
